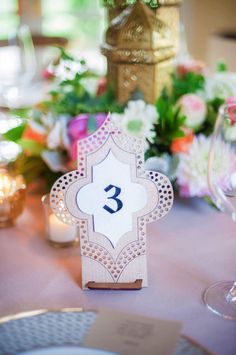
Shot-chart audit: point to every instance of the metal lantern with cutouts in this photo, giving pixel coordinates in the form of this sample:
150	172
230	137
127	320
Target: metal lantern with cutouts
140	47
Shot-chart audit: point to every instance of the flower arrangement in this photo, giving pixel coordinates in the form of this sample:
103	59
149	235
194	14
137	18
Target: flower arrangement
177	128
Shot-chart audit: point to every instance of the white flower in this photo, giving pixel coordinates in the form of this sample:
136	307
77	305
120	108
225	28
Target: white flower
54	161
90	85
222	85
44	125
192	169
230	133
194	108
37	127
67	69
137	119
48	120
58	137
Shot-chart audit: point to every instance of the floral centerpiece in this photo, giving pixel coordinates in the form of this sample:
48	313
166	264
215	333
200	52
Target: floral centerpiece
177	128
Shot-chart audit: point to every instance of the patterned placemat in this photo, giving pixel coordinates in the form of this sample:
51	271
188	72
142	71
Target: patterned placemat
46	328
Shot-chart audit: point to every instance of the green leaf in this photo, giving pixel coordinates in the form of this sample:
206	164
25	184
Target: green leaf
92	124
221	66
177	134
168	127
15	133
186	84
212	112
33	147
20	112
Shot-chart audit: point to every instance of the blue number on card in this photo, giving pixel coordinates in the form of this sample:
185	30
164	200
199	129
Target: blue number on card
113	197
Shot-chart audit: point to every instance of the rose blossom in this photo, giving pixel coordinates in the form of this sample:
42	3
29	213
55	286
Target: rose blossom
230	111
194	108
231	100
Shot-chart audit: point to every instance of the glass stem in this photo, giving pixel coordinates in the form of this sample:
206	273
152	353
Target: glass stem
231	295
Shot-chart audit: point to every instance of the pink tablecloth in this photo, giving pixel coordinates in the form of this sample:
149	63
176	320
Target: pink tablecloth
188	250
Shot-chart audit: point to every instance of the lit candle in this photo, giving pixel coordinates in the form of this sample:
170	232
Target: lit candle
6	185
12	198
60	232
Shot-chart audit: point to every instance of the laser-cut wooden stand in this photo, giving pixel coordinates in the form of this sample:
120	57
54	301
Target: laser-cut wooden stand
111	198
137	285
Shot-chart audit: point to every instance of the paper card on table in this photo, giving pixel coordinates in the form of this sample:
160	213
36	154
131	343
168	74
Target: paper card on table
111	198
129	334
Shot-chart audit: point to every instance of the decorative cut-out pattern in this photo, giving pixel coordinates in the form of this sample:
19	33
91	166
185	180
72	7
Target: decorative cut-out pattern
127	257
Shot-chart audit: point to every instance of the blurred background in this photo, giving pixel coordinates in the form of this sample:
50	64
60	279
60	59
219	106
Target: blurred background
211	30
210	25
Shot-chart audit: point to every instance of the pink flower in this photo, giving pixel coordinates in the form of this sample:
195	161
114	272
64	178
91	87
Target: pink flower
47	74
231	100
193	66
184	191
194	108
230	109
100	118
73	150
79	128
191	173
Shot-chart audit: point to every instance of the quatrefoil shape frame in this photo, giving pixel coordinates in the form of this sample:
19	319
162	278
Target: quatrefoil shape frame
101	262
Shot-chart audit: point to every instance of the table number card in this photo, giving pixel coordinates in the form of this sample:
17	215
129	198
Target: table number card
111	198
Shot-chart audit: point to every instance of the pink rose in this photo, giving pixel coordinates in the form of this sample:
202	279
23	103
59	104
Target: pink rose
194	108
231	100
231	109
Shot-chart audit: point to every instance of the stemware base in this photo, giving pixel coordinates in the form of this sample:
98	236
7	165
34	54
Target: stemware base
215	298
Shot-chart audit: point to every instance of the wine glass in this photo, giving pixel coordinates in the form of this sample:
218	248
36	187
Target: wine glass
17	66
220	297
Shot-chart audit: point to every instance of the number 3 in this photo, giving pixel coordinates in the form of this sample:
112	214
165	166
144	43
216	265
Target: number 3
114	197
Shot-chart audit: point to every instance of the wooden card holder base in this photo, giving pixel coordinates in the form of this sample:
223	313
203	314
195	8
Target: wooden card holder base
137	285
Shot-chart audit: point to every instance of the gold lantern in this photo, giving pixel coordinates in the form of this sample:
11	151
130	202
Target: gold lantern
167	11
139	50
